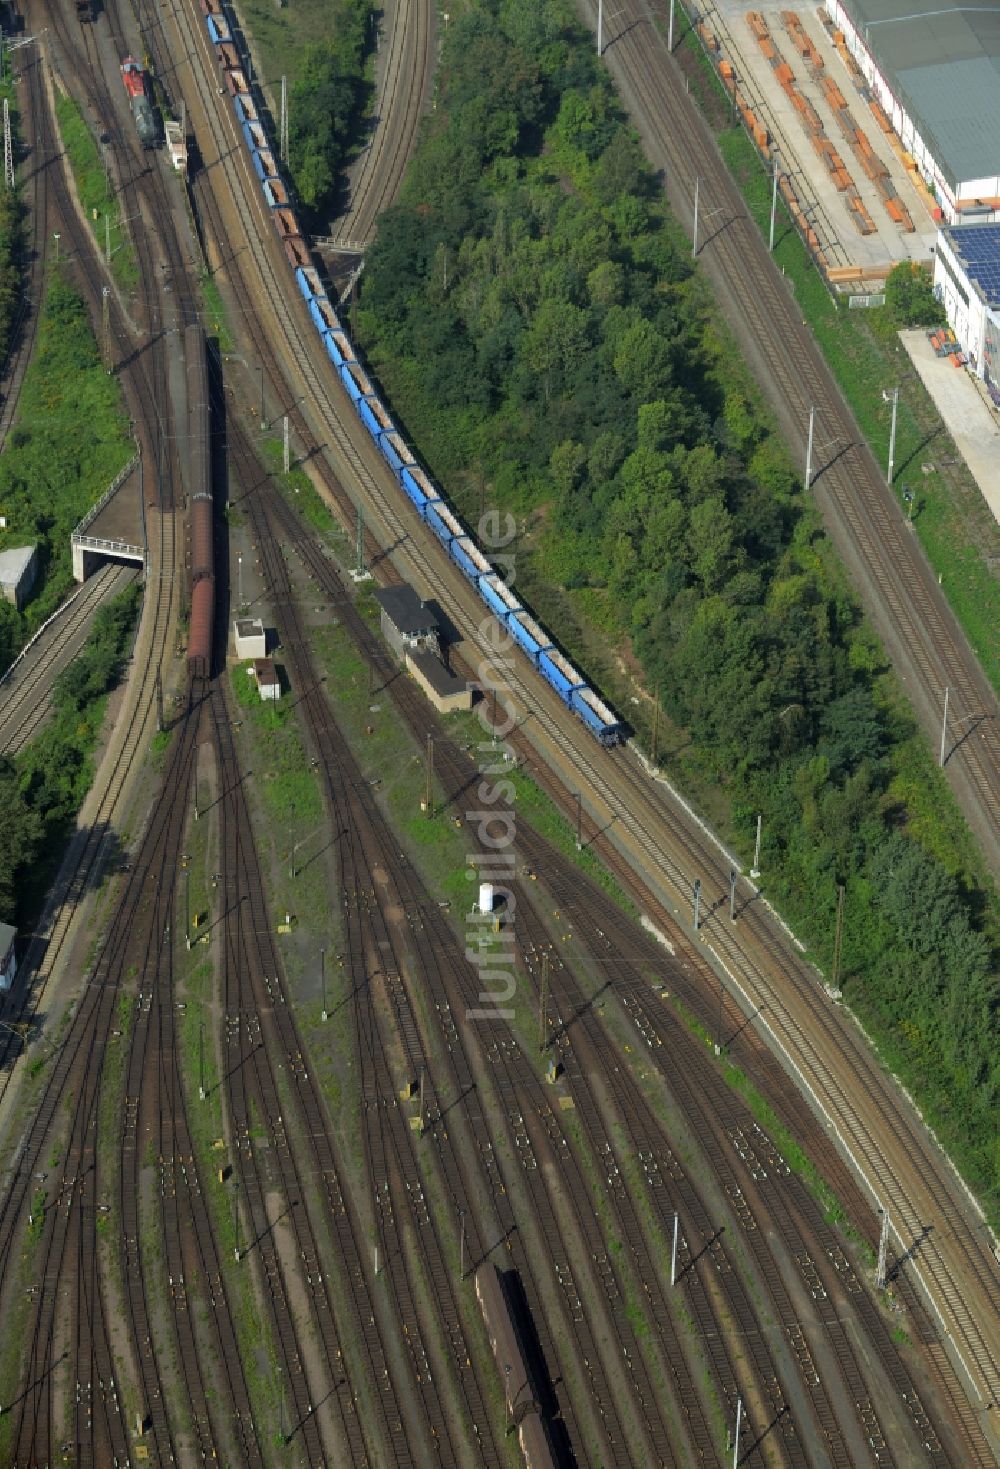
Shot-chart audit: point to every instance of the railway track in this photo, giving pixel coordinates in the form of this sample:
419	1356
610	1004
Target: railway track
405	68
811	1240
26	691
893	577
397	527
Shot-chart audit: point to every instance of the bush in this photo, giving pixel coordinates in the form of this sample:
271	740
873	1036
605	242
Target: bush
910	298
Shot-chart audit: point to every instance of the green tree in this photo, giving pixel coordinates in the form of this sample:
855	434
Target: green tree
910	298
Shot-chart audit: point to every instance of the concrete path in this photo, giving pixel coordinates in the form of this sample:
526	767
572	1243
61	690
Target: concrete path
971	421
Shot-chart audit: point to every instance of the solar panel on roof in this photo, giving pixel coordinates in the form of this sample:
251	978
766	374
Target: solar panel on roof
978	248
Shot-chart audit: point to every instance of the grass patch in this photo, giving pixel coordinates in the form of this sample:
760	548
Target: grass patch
96	193
68	442
216	319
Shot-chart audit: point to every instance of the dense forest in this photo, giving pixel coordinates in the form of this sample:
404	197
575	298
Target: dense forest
11	245
328	100
532	312
42	788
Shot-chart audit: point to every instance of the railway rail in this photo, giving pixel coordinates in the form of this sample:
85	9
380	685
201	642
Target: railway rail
399	530
629	981
404	80
26	692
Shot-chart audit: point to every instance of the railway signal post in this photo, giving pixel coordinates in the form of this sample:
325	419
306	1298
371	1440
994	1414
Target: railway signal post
732	894
697	904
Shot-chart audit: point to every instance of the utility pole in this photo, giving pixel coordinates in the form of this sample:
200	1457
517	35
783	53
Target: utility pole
694	241
579	822
944	728
8	143
809	447
736	1437
670	29
755	869
283	124
697	904
239	580
673	1252
732	894
324	1013
428	774
187	907
159	703
600	27
106	313
461	1244
107	239
421	1100
263	420
543	1003
286	446
774	206
235	1211
656	715
201	1060
881	1272
838	936
892	433
359	544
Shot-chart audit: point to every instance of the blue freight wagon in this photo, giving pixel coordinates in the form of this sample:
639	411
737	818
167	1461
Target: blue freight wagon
443	522
256	137
356	381
264	164
323	314
418	486
218	29
596	715
396	451
246	110
308	281
529	635
338	348
498	596
560	673
275	193
469	559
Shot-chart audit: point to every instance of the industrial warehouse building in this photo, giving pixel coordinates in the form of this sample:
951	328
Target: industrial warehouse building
934	68
967	281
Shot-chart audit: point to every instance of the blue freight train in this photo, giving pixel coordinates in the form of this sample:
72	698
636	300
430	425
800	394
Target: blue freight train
416	484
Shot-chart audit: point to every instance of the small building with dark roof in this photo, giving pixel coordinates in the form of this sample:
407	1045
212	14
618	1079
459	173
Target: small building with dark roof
266	678
446	692
408	624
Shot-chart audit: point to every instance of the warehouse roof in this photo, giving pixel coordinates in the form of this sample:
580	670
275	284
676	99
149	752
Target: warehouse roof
943	59
977	247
